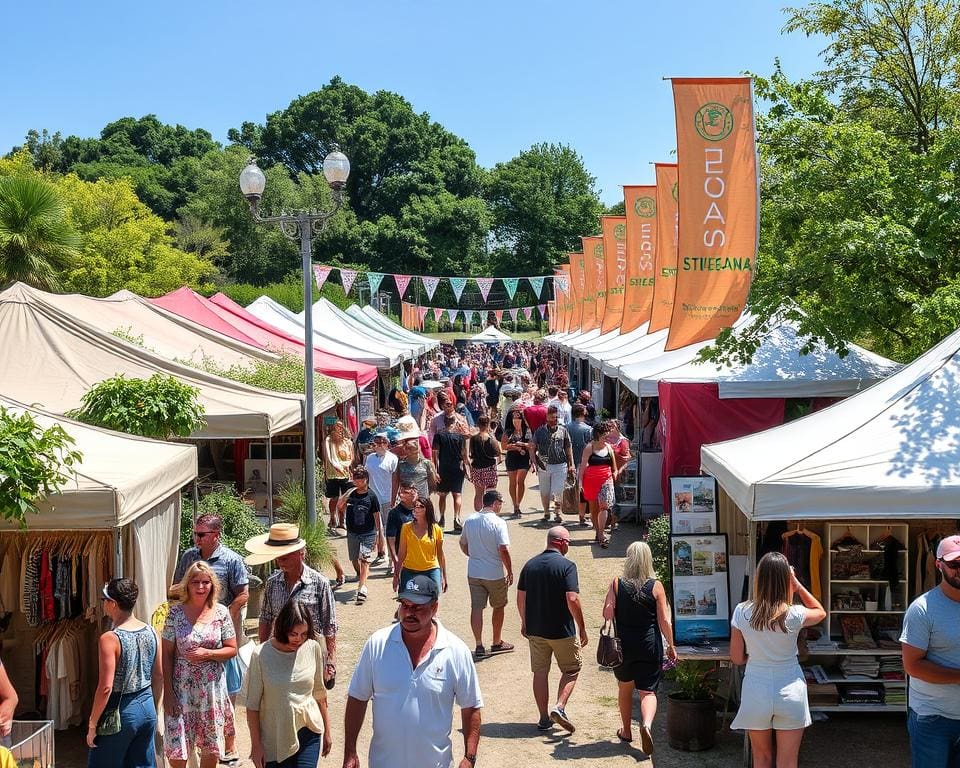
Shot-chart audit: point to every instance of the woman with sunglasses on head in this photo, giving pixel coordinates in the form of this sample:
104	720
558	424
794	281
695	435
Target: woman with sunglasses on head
197	639
421	547
130	681
763	635
517	443
286	696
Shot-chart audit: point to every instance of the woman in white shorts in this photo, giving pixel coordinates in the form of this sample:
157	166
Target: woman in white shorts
773	702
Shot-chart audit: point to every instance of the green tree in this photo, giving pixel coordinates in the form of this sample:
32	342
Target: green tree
542	202
34	463
125	245
37	239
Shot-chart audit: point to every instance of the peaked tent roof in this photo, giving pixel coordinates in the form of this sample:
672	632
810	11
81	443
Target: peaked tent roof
378	319
222	314
490	333
119	477
776	370
890	451
286	321
329	316
50	358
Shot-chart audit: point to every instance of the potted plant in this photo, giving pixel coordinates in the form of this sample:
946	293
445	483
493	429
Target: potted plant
691	709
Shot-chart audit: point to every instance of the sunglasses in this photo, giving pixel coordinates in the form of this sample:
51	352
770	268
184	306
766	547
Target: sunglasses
201	534
104	595
420	504
953	565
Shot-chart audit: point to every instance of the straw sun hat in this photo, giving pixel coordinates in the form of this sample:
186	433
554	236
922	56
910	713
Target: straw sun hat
408	428
282	539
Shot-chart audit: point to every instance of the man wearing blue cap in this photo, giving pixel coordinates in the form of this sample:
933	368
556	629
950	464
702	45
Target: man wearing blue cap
414	671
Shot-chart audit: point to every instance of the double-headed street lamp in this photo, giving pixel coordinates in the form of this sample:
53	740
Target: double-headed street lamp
302	226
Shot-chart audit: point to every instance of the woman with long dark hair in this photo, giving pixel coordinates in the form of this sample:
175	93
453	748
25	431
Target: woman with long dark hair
484	452
763	635
518	446
286	696
421	547
598	467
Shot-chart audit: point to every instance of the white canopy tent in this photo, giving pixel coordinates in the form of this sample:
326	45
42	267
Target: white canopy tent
580	349
776	370
490	335
892	451
50	358
326	338
331	315
375	319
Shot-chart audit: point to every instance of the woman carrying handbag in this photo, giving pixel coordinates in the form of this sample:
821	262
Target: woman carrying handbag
637	604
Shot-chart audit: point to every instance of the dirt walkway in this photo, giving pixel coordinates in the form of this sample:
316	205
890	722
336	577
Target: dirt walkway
509	736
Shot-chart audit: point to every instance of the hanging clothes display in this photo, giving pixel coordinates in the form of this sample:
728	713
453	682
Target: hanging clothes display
803	550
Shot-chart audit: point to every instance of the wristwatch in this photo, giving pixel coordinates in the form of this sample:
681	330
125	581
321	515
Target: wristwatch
471	758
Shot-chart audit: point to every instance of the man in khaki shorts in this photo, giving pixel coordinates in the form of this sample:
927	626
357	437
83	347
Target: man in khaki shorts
486	542
548	599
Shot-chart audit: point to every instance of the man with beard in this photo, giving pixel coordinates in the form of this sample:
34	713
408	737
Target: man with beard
930	643
413	671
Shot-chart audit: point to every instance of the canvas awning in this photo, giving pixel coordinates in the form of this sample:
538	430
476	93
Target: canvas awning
225	316
891	451
490	335
329	316
50	359
372	317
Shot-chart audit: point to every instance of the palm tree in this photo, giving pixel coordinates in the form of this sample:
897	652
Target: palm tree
37	239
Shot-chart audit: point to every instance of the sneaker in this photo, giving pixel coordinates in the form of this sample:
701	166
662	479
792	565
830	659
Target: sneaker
379	558
646	740
231	758
457	528
559	716
479	653
361	595
544	724
502	647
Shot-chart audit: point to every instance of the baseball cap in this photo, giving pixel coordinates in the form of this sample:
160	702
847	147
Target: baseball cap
420	590
949	549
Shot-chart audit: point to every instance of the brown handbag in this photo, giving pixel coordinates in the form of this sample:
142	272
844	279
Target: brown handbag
609	649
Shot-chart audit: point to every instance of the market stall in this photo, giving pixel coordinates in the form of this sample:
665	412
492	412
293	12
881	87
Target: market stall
862	490
376	319
120	515
329	314
489	335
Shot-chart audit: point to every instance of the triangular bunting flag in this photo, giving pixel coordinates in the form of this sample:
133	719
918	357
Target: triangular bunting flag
437	313
430	285
528	313
321	273
402	282
511	283
498	313
542	308
560	283
374	279
458	284
452	315
537	284
485	284
513	314
347	276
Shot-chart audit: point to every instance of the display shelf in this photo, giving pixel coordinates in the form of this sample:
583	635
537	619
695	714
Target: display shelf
852	652
871	613
859	708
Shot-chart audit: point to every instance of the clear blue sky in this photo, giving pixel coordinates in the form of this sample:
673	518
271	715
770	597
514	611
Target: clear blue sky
503	74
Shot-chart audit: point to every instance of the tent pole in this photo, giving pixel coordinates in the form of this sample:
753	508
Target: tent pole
195	488
639	467
270	478
118	552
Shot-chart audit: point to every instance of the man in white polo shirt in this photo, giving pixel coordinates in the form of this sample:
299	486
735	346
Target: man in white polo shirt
414	671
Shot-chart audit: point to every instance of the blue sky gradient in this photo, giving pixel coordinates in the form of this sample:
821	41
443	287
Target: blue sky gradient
503	75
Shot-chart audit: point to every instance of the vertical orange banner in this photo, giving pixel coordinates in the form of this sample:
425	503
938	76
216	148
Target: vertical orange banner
719	206
665	264
403	314
641	225
613	230
589	320
577	285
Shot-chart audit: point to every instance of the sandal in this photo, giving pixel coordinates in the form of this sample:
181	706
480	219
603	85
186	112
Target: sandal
361	595
605	543
479	653
622	737
338	582
502	647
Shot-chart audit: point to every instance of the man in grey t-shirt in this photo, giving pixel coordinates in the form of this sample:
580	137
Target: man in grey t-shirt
931	656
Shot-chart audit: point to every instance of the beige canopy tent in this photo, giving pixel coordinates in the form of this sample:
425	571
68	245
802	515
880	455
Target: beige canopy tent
169	335
49	358
126	484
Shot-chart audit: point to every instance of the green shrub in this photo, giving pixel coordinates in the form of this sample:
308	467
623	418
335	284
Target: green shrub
239	519
693	680
293	509
283	375
658	537
289	293
160	407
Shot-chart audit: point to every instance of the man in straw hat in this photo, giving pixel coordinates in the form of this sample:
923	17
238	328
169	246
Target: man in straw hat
412	710
294	579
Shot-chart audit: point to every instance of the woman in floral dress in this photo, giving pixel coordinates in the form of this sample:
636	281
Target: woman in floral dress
197	639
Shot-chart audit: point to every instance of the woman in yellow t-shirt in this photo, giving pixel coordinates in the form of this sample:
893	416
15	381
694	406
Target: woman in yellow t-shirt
421	547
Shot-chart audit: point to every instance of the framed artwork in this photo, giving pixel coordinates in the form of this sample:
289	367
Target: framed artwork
693	505
700	569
